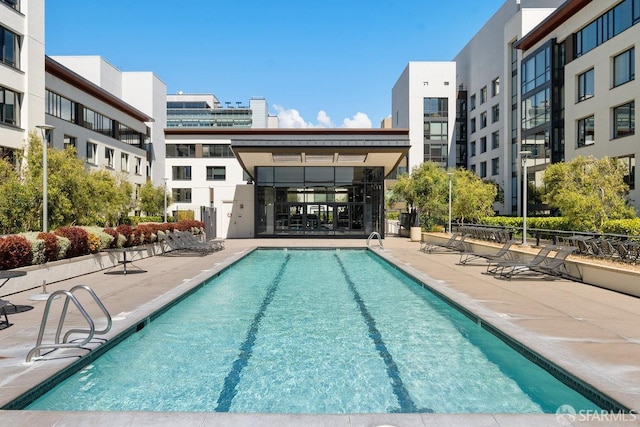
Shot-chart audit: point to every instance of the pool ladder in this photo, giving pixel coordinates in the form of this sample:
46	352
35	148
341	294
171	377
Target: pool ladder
64	343
377	235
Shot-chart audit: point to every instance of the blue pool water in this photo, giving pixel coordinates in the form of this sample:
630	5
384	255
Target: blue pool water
312	331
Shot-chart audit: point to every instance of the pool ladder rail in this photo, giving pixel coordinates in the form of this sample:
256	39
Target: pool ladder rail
65	343
378	236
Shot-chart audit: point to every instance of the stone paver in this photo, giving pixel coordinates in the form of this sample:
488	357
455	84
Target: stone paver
590	332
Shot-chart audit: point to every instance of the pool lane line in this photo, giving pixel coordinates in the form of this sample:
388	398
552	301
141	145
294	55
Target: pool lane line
246	349
402	394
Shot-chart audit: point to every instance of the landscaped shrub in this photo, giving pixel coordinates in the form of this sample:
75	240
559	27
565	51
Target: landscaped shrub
51	247
115	237
127	232
193	226
78	239
147	233
15	251
629	227
105	238
94	243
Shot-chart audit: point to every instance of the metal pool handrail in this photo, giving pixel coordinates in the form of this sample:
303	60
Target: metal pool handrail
57	344
375	234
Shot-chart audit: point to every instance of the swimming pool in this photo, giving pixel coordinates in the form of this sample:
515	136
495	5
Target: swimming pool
314	331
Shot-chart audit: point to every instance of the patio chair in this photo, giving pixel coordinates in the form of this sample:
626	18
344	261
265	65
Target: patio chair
553	266
455	245
502	254
453	238
499	267
629	251
191	240
179	245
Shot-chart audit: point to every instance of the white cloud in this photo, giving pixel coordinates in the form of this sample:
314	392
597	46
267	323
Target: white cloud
324	120
360	120
291	118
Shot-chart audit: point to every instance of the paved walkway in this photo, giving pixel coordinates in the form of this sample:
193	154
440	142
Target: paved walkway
592	333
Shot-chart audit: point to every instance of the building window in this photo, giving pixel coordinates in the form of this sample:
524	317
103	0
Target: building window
483	169
130	136
436	131
60	107
608	25
124	162
472	148
12	3
495	140
586	131
624	121
483	120
181	173
9	47
108	157
586	86
624	69
630	163
495	113
536	110
495	87
216	173
217	150
181	150
70	142
138	163
181	195
483	95
9	107
536	70
92	153
97	122
472	125
472	103
483	144
495	166
436	107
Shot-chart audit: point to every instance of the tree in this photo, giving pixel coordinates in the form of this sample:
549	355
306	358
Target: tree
111	196
151	199
14	200
426	190
588	191
472	198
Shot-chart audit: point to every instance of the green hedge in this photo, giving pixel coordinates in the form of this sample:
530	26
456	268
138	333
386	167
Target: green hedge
629	227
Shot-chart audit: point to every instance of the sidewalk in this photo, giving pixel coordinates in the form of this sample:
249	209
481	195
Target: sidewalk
591	333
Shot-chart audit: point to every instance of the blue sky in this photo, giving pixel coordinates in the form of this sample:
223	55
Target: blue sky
318	64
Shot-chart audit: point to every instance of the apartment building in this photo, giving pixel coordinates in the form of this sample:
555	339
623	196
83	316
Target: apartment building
132	104
489	71
21	72
579	87
105	130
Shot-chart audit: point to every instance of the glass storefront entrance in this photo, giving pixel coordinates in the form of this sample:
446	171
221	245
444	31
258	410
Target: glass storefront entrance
319	201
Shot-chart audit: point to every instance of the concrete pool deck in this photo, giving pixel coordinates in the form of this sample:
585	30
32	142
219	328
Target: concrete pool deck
592	333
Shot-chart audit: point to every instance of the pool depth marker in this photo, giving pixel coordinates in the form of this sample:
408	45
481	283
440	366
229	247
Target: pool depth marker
233	378
404	399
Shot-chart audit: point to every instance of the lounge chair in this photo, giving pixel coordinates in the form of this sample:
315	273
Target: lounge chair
502	254
453	244
178	244
556	266
508	268
190	239
424	245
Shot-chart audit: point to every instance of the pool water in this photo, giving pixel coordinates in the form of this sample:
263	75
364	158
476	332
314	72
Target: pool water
312	331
